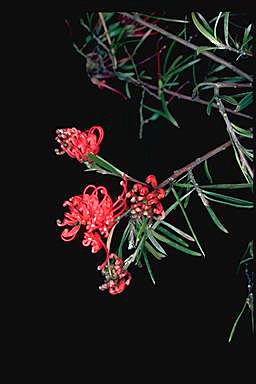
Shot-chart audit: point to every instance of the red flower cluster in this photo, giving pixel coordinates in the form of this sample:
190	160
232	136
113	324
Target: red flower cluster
145	202
78	144
116	278
96	211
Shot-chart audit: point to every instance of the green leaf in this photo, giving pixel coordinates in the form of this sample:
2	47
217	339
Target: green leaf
170	51
156	111
124	237
181	68
205	32
207	171
148	267
204	49
249	252
226	22
206	24
167	113
209	106
227	186
127	90
216	24
141	226
217	69
155	242
236	322
175	229
184	214
155	253
172	236
141	41
216	220
229	99
246	34
175	245
242	131
247	100
104	164
230	198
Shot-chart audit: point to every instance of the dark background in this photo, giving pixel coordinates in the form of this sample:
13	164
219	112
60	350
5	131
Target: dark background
194	298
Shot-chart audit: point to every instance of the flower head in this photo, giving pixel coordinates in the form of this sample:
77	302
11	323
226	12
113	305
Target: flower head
96	212
78	144
116	278
146	202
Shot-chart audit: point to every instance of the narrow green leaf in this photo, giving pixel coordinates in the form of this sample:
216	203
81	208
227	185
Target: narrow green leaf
206	24
217	69
247	100
209	106
207	171
216	220
216	24
242	131
229	198
175	229
124	237
229	99
167	113
204	31
175	245
172	236
244	258
149	268
236	322
173	64
104	164
246	34
227	186
170	51
181	68
127	90
141	41
156	111
155	253
155	242
249	206
226	22
204	49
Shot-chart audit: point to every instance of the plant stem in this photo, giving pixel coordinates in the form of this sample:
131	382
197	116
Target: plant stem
148	88
187	44
194	163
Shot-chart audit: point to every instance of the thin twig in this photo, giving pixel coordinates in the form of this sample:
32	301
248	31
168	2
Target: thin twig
194	163
108	39
187	44
148	88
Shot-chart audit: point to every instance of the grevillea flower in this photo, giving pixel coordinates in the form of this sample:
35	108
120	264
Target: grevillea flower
116	278
146	202
78	144
96	212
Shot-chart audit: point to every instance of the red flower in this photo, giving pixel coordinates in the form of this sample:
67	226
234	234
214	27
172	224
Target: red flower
116	278
78	144
96	211
144	202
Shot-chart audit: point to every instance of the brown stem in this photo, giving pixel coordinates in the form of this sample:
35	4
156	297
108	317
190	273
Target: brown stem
194	163
187	44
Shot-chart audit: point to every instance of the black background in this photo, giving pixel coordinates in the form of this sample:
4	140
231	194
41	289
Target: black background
194	299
